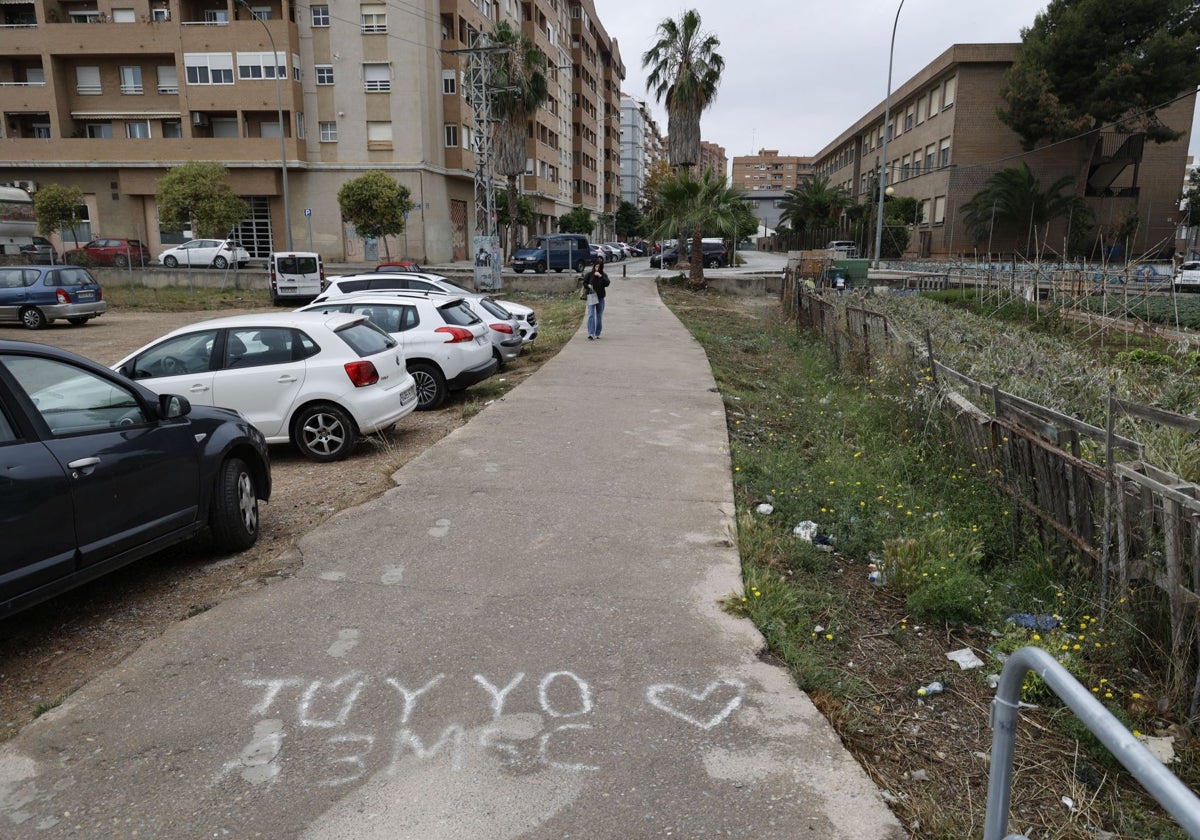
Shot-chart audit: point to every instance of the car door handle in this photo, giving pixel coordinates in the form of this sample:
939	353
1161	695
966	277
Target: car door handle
197	389
83	466
286	378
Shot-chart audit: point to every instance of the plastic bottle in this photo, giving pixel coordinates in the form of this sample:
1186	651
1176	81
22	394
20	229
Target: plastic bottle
934	687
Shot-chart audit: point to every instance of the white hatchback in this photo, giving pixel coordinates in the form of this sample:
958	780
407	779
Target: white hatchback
202	253
446	345
319	381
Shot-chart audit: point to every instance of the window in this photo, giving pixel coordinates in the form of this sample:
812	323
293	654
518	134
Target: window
449	82
934	100
324	74
216	17
948	91
930	156
260	12
209	68
451	133
300	125
123	16
939	210
168	79
922	104
94	404
908	118
160	14
379	136
320	16
41	131
99	130
85	16
373	18
87	80
296	73
259	65
328	131
227	127
377	78
924	212
138	130
172	128
944	160
131	80
905	167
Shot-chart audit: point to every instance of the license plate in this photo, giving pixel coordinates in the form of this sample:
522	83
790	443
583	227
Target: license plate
86	295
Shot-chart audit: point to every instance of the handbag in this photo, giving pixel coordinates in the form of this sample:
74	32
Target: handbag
593	299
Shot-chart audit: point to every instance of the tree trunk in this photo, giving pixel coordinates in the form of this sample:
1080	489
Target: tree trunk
696	273
511	244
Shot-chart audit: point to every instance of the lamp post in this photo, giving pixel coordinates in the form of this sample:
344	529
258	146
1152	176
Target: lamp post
287	208
883	161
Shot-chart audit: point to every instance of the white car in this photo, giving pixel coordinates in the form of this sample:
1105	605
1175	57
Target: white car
502	324
425	282
202	253
1188	276
447	347
318	381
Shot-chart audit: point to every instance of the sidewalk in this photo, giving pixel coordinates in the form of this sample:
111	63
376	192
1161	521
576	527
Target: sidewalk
522	639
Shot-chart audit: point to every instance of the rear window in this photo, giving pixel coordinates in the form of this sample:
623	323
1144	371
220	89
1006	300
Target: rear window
456	313
296	265
495	309
366	339
69	277
353	285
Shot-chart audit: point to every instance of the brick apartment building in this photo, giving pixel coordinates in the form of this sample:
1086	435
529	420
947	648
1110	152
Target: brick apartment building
946	140
108	95
765	177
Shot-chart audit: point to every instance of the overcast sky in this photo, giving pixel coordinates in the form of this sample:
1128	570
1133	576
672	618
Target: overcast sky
800	72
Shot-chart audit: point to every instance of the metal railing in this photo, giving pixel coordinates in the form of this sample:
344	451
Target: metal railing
1161	783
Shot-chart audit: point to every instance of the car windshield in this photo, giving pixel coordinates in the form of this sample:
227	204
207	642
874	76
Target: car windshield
366	339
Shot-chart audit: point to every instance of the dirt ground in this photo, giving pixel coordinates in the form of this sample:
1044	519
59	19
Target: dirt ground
49	651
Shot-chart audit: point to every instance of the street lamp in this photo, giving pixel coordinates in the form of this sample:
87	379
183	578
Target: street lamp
883	161
287	208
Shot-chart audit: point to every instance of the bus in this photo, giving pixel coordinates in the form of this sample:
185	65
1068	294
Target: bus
17	221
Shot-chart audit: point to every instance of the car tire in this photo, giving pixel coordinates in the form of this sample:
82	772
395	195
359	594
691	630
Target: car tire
33	318
431	385
220	262
713	263
233	518
519	270
77	322
540	268
324	432
170	262
121	261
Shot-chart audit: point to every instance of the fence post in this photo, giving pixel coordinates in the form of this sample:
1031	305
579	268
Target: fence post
929	350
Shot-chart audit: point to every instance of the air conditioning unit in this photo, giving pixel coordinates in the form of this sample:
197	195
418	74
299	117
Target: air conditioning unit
199	118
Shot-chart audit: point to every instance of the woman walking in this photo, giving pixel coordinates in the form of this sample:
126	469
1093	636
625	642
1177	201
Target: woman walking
595	281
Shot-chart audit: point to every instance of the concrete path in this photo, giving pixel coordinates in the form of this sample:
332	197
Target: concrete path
522	639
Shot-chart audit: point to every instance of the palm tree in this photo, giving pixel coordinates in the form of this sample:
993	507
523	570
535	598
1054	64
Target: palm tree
1012	202
813	204
520	87
684	203
684	73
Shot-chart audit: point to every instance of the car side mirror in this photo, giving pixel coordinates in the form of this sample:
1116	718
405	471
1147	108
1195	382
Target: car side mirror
173	406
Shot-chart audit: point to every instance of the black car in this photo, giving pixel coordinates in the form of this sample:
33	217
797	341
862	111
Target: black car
97	471
716	255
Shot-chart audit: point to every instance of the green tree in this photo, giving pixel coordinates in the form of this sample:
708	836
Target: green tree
57	209
578	220
813	204
699	205
375	204
1012	205
524	214
520	85
1085	64
197	196
657	173
1191	198
629	221
685	70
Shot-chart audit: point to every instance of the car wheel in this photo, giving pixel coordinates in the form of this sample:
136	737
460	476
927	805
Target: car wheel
540	268
220	262
33	318
519	270
77	322
233	518
170	261
324	432
714	263
431	385
121	261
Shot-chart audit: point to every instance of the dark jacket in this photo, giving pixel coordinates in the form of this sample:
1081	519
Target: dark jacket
595	282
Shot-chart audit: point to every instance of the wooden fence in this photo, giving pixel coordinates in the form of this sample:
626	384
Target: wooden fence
1087	490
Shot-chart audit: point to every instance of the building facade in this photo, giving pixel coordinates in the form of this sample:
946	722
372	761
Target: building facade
764	179
108	95
641	146
945	141
713	157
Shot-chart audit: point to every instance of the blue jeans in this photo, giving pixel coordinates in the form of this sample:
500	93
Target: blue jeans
595	316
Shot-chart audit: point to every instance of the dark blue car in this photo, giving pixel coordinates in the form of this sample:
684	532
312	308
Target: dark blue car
37	295
97	471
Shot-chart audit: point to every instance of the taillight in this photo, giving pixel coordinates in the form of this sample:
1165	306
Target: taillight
62	295
504	328
362	374
99	293
456	334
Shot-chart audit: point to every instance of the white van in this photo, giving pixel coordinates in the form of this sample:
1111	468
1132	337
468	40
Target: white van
843	248
295	274
1188	277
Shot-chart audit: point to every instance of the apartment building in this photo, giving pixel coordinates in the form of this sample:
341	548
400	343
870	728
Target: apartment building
764	178
108	95
713	157
641	146
945	141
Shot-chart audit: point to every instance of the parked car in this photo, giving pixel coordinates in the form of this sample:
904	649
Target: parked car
612	253
716	255
40	251
425	282
504	327
398	265
844	248
202	253
99	471
116	252
446	345
319	381
1187	278
556	251
37	295
295	275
